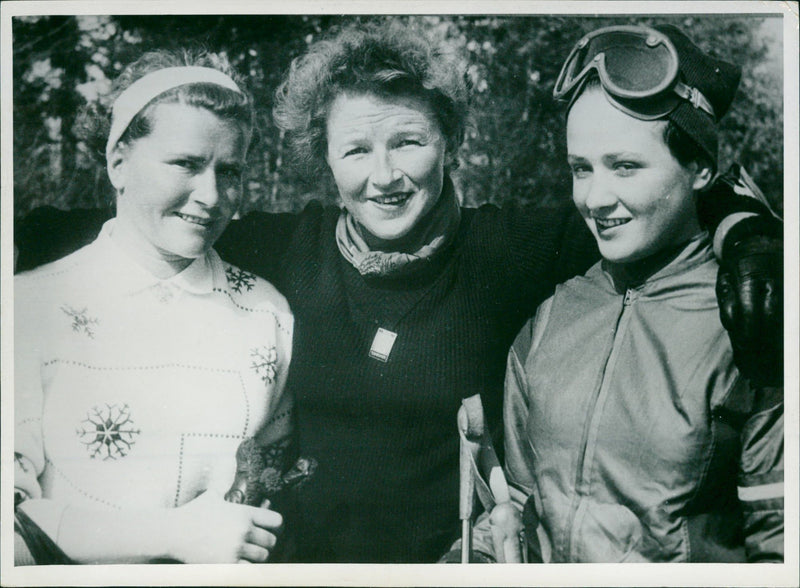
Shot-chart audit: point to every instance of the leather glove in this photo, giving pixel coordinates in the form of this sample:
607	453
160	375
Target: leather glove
750	295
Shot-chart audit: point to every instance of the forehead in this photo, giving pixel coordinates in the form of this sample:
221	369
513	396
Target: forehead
595	125
369	113
177	125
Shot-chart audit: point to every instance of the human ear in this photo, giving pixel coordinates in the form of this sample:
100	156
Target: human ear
702	176
115	166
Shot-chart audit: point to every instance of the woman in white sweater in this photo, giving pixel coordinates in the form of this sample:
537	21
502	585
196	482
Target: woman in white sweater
143	360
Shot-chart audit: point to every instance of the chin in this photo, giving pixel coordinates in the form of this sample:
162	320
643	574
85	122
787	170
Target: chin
622	257
617	255
388	232
192	251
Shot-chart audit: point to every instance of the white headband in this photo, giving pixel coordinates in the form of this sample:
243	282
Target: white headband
142	91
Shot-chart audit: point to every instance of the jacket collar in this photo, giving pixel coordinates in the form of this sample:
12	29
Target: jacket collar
666	263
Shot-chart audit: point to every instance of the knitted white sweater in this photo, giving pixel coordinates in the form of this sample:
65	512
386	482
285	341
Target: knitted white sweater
134	392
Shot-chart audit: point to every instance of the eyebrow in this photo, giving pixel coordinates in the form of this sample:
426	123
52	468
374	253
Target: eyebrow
607	156
621	155
184	155
575	158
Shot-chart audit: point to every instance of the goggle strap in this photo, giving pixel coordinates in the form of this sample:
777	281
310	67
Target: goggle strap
694	96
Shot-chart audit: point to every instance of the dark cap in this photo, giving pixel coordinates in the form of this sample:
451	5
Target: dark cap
716	79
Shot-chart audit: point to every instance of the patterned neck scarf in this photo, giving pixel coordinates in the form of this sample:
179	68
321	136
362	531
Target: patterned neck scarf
442	224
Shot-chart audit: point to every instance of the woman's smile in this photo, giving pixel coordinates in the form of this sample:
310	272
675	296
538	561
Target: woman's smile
393	200
203	221
605	224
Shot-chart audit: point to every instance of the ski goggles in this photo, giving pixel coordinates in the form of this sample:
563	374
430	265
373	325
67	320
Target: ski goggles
638	70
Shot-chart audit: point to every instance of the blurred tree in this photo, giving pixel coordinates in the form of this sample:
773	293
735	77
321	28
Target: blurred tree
515	146
45	105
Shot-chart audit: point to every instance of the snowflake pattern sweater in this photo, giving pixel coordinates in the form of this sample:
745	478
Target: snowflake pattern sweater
383	429
134	392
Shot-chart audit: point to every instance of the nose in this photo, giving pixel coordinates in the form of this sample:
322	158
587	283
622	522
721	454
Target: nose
599	194
206	189
384	172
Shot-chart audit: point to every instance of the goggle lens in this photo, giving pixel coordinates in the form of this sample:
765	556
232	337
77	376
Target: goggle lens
632	62
630	68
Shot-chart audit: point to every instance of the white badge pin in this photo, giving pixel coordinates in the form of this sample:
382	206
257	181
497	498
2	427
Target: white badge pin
382	344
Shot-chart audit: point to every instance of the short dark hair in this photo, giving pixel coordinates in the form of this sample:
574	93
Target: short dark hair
95	119
386	59
683	148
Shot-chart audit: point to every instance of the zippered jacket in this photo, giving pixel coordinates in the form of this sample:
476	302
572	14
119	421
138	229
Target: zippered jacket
629	432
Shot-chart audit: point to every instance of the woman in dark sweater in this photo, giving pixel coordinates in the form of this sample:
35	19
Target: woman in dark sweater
404	302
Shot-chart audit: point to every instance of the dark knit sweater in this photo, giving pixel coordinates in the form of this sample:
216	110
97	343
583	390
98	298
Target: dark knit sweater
384	433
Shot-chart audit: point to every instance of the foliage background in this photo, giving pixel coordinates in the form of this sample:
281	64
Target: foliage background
515	147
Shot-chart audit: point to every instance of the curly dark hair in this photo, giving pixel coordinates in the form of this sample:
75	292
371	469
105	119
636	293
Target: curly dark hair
95	119
385	59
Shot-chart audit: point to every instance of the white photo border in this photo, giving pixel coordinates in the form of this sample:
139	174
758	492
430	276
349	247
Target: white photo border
787	574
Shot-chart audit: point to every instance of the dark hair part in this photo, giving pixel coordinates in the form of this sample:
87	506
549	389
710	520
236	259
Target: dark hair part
95	120
391	60
681	146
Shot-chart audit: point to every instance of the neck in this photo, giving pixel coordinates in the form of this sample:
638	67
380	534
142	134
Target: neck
635	273
160	264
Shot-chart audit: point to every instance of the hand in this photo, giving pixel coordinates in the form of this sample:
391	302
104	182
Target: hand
750	295
210	530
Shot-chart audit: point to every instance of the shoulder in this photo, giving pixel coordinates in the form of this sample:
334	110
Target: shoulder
246	290
59	270
570	299
595	281
482	213
530	335
41	293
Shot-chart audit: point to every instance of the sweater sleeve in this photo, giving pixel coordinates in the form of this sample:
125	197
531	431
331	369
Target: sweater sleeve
260	242
760	481
28	447
548	245
29	458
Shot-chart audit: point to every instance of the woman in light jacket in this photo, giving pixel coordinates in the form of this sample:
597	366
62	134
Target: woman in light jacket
630	433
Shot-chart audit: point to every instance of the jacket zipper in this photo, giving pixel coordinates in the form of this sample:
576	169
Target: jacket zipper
603	383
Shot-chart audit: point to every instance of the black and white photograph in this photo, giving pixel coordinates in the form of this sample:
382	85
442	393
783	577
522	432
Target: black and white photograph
344	289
